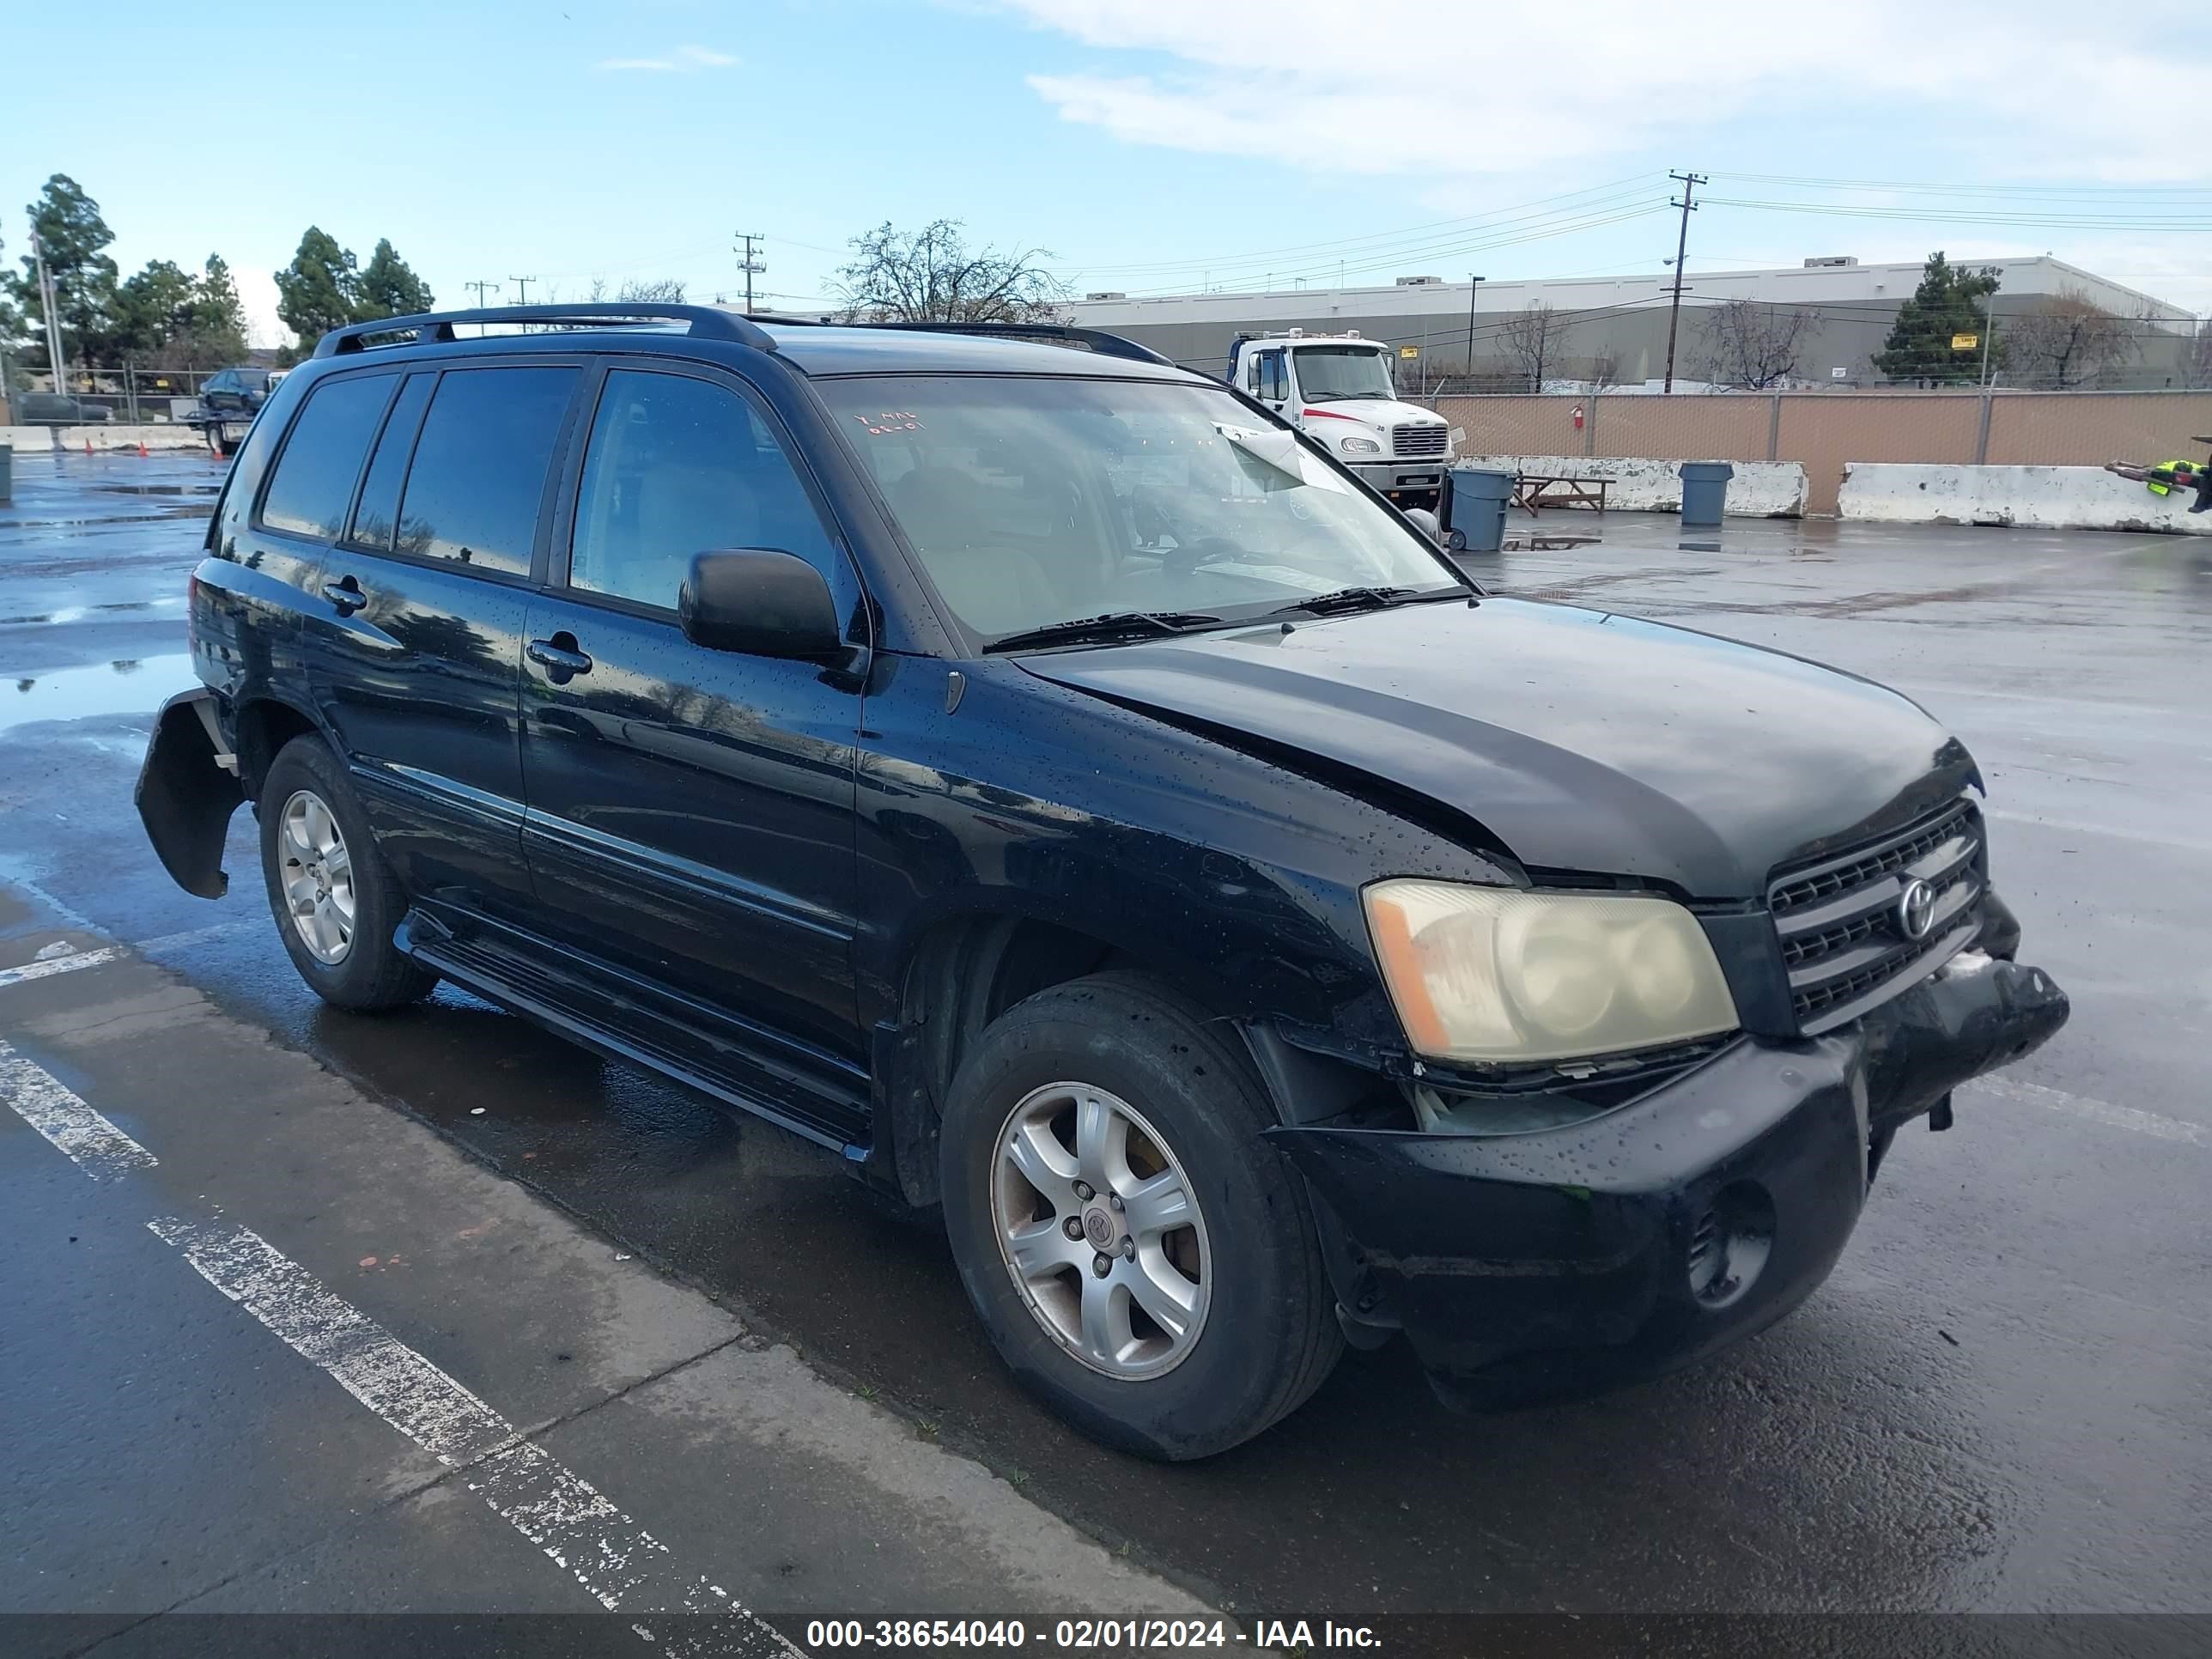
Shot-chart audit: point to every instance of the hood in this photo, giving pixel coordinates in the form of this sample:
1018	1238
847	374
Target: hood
1371	412
1583	741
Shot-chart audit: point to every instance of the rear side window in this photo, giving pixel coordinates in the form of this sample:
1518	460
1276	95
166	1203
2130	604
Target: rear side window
678	466
314	479
377	519
479	472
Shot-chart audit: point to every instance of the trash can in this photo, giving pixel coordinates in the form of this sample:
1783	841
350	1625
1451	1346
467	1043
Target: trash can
1477	501
1705	490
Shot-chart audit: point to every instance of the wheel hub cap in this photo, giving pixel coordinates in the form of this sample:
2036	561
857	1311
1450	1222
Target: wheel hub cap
1101	1229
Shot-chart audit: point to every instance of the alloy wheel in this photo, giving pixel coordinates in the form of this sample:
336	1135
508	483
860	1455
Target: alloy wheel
1101	1231
317	877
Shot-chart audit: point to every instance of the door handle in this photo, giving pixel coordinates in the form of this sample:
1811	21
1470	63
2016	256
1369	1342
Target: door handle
558	656
345	593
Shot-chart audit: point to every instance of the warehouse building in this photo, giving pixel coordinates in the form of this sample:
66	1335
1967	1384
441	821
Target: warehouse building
1614	328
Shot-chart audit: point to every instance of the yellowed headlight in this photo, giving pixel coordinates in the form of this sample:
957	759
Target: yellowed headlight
1496	974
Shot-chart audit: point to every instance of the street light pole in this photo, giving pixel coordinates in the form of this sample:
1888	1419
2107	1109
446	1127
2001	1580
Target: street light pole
1473	283
49	302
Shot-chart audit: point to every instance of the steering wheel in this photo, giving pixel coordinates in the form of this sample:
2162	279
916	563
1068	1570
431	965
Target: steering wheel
1185	561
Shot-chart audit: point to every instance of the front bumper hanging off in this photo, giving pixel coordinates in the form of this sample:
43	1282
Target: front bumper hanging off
1525	1265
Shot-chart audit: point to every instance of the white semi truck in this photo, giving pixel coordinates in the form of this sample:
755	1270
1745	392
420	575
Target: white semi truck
1337	389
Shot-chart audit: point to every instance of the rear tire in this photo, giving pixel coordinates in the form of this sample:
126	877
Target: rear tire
1242	1273
333	896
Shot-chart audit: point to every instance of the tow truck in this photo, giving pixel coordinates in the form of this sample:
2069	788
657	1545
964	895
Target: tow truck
1337	389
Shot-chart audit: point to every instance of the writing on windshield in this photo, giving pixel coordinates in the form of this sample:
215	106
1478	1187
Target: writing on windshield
1031	502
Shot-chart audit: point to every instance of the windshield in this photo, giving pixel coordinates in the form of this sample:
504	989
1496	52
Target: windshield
1327	371
1032	502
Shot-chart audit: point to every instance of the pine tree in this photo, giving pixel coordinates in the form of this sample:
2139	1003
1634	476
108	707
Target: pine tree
388	287
153	312
1951	301
67	225
218	331
320	289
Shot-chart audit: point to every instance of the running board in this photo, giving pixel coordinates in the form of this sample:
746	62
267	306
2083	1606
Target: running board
562	993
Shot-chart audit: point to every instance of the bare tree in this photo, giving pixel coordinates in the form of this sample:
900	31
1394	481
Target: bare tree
930	276
1744	344
2197	357
2066	341
1530	335
1604	371
663	290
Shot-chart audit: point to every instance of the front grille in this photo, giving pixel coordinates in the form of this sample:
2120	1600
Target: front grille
1843	944
1420	443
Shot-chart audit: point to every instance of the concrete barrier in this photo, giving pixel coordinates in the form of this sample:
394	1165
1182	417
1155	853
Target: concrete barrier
2037	497
1761	489
36	439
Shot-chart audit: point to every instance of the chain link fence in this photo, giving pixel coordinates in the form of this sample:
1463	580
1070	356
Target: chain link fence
1824	430
128	394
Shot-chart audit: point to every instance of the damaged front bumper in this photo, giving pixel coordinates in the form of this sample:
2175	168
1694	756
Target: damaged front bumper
1527	1265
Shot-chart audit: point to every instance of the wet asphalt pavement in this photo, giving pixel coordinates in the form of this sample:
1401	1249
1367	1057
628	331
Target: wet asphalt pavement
2002	1399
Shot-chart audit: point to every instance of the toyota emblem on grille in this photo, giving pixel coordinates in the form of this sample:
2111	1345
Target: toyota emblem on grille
1915	909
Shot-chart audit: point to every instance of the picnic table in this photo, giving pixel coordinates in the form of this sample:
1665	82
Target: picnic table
1535	491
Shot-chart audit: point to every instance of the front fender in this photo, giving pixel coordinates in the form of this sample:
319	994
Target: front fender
187	789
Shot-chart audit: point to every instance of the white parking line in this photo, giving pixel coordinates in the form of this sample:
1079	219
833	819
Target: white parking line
52	965
2095	1111
53	1108
620	1563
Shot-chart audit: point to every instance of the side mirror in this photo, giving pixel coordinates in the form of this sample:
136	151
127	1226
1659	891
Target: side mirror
758	602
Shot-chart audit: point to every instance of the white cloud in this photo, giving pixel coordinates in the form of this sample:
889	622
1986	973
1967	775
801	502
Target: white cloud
1396	88
683	61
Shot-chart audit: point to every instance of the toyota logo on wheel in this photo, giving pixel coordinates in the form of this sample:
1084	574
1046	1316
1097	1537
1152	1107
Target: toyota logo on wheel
1915	909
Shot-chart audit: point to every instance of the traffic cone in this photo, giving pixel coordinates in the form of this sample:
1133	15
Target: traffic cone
88	445
142	451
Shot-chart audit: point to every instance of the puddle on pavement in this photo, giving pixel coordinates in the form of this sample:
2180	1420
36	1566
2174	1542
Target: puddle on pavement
130	685
79	612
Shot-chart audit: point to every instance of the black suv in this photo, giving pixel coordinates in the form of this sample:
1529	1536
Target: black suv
1041	777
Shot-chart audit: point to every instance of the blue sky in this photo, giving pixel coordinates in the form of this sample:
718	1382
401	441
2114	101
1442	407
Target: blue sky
1151	144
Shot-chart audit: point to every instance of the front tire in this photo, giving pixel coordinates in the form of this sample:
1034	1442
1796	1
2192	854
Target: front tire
333	896
1143	1261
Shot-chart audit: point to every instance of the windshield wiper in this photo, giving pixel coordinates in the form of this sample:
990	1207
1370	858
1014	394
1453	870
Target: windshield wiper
1345	599
1114	625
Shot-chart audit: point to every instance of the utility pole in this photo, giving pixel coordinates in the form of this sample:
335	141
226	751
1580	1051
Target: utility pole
482	289
1473	283
749	264
521	288
1690	182
49	302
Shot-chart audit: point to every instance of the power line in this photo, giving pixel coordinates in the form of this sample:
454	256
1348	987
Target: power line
521	288
482	289
1348	245
1689	205
1926	189
2136	222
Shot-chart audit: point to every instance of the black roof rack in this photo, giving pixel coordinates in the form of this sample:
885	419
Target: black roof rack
707	323
1092	339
